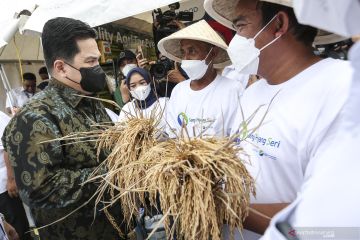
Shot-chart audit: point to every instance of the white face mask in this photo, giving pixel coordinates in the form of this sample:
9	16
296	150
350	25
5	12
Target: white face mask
141	92
243	53
341	17
128	68
195	69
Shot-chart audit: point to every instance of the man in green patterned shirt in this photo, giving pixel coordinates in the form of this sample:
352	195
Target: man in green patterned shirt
50	175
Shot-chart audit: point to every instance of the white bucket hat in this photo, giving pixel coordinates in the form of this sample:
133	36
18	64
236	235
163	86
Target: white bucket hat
200	31
222	11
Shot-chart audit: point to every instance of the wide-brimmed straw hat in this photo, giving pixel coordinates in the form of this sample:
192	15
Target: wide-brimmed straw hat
324	37
200	31
222	11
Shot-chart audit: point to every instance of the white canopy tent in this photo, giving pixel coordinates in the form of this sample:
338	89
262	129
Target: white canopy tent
134	16
95	13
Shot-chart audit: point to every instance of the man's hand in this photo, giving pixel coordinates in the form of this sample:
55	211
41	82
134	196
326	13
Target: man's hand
124	90
260	216
175	76
12	188
14	110
143	62
11	232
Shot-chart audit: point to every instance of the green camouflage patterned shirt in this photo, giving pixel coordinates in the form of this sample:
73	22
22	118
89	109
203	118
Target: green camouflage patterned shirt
49	175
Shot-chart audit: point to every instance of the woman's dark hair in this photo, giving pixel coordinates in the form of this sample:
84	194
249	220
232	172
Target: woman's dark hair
59	38
302	33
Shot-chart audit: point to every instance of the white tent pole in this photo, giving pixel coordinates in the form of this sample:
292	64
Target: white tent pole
6	84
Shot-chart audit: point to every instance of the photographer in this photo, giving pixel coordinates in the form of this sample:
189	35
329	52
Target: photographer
126	61
167	72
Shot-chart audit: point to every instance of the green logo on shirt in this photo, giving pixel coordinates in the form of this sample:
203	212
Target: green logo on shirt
183	120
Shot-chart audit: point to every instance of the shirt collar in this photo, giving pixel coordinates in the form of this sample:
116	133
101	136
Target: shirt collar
69	94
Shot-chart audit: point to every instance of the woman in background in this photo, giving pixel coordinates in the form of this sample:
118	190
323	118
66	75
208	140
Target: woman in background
145	102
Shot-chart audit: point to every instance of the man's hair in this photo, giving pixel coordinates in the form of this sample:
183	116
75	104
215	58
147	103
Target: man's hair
29	76
43	70
59	38
303	33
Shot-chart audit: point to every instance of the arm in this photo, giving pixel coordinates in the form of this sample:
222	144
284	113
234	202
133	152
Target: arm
257	223
125	93
11	108
42	170
11	184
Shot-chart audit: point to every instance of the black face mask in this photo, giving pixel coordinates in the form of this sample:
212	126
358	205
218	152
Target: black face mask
93	79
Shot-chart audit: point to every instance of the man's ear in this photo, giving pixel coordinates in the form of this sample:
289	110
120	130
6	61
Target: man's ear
281	24
59	68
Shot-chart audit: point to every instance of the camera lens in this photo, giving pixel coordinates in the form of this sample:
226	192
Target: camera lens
158	71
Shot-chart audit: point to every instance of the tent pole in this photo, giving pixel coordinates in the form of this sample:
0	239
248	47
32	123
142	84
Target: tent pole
6	84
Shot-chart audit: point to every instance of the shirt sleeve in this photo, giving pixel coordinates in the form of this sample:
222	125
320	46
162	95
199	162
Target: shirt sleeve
43	173
125	112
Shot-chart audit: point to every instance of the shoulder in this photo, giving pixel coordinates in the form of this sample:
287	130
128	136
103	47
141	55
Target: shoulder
333	70
226	81
18	90
128	106
334	76
181	86
229	84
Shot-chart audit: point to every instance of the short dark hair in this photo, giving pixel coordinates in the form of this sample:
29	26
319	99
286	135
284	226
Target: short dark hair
303	33
43	70
29	76
59	38
125	55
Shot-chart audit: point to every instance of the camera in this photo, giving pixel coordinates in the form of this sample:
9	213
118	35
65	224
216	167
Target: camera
164	18
161	67
337	50
165	21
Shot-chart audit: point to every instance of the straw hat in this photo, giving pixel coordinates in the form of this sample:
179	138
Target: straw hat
222	11
324	37
200	31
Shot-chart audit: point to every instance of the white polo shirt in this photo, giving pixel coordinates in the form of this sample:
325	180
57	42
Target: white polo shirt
207	112
20	97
